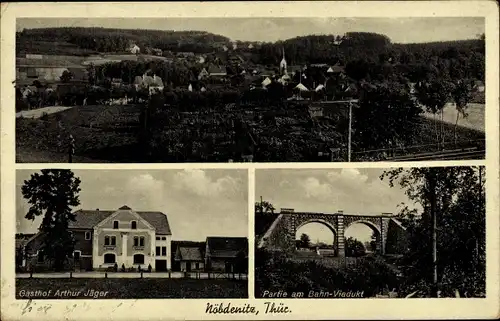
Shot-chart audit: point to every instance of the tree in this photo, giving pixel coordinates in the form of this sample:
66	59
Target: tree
305	241
434	95
462	94
51	194
264	207
354	247
447	240
386	116
66	76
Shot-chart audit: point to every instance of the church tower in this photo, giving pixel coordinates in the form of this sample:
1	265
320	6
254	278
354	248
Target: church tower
283	66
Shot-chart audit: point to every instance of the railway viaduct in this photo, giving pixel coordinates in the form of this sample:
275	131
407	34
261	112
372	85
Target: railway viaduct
391	235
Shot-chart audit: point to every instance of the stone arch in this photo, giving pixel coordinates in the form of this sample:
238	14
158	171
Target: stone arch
373	226
323	222
368	223
320	221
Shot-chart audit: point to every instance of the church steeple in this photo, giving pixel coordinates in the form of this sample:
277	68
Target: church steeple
283	65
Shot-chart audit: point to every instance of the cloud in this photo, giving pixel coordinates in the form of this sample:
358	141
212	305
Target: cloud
145	182
313	188
197	182
349	189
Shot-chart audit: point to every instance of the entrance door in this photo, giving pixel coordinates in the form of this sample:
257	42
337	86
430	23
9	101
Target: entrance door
188	266
161	265
228	267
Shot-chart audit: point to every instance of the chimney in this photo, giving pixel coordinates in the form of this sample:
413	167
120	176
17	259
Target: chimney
340	211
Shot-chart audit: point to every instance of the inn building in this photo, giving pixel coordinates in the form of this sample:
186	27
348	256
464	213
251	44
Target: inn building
105	238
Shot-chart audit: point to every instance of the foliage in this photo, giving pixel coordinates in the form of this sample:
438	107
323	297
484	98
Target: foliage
387	117
264	217
354	248
462	94
274	272
51	194
264	207
119	40
460	208
305	241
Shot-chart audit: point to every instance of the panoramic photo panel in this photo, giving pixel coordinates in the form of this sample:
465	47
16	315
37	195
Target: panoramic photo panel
131	234
137	90
370	233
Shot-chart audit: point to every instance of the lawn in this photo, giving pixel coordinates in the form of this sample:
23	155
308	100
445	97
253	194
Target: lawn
137	288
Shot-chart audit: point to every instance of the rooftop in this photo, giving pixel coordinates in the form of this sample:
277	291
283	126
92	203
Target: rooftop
87	219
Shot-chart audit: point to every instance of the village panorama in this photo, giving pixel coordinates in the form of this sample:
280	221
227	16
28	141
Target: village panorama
89	94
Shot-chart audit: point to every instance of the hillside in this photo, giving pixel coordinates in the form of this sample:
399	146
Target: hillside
354	47
84	41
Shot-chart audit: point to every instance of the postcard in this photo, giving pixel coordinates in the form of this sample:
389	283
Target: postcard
250	160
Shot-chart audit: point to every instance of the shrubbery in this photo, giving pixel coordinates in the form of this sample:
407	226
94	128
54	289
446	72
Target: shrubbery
274	272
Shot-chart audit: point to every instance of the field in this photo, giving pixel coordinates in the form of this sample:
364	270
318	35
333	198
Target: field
103	59
51	48
137	288
100	132
474	120
110	134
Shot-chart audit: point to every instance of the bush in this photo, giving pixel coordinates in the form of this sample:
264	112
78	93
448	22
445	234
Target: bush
274	272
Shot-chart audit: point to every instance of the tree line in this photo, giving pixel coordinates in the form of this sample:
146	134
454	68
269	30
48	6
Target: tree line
119	40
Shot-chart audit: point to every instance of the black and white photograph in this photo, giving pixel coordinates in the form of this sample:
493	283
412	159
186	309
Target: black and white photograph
276	89
131	234
370	233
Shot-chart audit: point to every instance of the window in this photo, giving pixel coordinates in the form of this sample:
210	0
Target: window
164	251
76	255
197	265
115	225
163	238
133	225
88	235
110	240
109	258
158	238
158	251
138	259
138	240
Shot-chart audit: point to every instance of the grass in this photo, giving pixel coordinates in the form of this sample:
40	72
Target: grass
100	132
138	288
474	120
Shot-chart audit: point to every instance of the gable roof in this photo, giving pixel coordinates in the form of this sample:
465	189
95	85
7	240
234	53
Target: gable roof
222	246
185	253
87	219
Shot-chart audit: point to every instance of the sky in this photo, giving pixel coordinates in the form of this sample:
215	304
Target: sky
355	191
198	203
399	30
